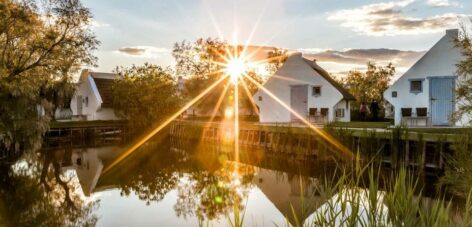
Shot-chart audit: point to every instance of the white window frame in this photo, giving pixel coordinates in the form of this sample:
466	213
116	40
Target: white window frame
340	113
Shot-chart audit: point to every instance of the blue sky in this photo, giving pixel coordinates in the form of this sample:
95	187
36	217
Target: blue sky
134	32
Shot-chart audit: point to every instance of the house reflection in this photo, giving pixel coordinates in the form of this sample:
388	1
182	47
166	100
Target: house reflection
294	196
155	171
89	164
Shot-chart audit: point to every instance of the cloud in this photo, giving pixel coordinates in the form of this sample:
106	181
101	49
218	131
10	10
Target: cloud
388	19
97	24
339	62
443	3
362	56
143	51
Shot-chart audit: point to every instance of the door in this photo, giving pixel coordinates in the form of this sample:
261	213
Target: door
299	100
79	105
442	100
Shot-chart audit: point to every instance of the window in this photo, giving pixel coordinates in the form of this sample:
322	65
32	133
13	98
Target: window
316	91
416	86
312	111
260	98
340	112
86	101
394	94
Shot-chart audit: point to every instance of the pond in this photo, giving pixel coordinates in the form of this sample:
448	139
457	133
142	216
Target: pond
166	182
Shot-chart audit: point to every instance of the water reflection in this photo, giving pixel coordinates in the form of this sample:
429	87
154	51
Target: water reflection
163	183
39	190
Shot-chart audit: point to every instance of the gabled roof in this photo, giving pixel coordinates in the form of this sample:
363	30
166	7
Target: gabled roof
327	77
104	83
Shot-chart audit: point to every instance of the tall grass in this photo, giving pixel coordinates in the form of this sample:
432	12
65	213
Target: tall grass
357	198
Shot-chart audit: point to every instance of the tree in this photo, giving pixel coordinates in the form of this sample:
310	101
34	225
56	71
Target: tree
145	95
276	58
42	44
370	85
464	82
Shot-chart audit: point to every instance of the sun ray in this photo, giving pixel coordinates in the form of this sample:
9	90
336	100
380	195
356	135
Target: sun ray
220	100
213	20
163	125
247	57
288	79
248	93
236	122
266	60
254	28
323	134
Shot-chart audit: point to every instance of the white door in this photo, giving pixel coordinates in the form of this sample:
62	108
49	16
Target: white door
299	100
442	100
79	105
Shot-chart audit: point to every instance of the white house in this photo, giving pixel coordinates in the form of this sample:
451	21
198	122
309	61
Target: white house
93	98
425	94
308	89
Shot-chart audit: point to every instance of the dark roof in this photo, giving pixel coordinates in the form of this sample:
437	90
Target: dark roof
104	83
327	77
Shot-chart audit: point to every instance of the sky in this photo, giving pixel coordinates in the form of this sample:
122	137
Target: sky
341	35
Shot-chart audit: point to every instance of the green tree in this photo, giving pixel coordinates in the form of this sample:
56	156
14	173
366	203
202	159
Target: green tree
145	95
464	83
370	85
42	44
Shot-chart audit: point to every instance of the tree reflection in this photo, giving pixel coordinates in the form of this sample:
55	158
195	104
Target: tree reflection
33	194
208	195
151	186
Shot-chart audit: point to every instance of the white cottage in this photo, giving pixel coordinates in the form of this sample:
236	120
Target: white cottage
93	98
424	95
308	89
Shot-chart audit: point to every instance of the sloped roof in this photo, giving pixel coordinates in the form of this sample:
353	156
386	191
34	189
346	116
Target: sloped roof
327	77
104	83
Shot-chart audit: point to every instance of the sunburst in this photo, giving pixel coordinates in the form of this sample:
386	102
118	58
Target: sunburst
235	65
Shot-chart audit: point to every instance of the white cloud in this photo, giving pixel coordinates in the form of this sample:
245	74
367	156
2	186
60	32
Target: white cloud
443	3
96	24
144	51
388	19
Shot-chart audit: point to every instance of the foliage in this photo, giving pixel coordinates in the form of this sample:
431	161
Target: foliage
33	194
464	83
457	170
145	95
42	44
276	57
370	85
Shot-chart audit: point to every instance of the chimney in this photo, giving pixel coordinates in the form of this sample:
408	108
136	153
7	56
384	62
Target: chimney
452	32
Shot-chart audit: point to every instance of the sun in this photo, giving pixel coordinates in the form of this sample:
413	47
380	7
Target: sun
235	68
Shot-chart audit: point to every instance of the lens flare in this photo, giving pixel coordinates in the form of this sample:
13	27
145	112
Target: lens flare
235	68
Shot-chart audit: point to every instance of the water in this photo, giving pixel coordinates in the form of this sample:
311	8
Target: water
164	183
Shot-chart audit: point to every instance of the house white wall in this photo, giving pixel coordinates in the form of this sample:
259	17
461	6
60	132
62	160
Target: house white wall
439	61
296	71
91	110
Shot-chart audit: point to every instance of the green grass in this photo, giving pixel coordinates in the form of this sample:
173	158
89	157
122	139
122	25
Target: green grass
80	124
362	124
